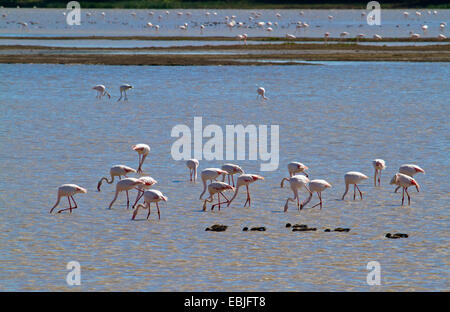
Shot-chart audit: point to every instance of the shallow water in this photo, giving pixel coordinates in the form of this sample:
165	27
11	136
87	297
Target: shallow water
119	22
332	118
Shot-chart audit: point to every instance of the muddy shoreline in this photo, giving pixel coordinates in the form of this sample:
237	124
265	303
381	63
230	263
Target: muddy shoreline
258	54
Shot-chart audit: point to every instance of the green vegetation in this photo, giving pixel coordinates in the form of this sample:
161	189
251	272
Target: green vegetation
225	4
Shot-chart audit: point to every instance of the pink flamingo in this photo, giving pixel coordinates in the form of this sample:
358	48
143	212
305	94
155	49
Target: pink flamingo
148	182
231	170
142	150
353	177
210	174
410	170
150	196
115	171
405	181
101	91
296	182
261	92
217	188
317	186
297	167
245	179
192	164
126	185
378	164
68	190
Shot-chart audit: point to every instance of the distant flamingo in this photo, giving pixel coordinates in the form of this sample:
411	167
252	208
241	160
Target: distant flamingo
297	167
148	183
68	190
217	188
192	164
290	36
210	174
101	91
296	182
405	181
123	89
126	185
261	92
378	164
150	196
353	177
115	171
409	170
142	150
245	179
317	186
231	170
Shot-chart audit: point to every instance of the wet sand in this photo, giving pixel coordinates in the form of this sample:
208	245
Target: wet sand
257	54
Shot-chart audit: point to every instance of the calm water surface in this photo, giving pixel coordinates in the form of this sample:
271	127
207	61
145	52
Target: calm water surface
332	118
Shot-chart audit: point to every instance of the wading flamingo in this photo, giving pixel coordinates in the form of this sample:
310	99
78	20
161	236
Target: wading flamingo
142	150
261	92
192	164
123	89
116	171
353	177
126	185
317	186
101	91
297	167
405	181
68	190
409	170
378	164
150	196
245	179
148	182
210	174
231	170
296	182
217	188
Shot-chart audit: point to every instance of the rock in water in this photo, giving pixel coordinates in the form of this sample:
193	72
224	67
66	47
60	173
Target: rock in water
342	229
396	235
261	228
217	228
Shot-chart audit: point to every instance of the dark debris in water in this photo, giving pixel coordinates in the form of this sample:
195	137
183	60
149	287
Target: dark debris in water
217	228
396	235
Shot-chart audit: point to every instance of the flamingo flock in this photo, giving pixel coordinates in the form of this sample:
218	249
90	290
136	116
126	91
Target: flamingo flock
298	180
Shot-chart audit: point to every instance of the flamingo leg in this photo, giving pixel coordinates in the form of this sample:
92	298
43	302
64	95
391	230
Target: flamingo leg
190	175
320	201
248	197
70	206
148	215
379	178
403	195
138	197
354	191
398	187
360	193
128	201
159	215
346	191
232	179
409	199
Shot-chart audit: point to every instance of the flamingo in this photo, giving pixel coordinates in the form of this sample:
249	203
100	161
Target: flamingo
297	167
317	186
210	174
343	34
296	182
231	170
217	188
126	185
123	89
409	170
290	36
261	92
150	196
378	164
424	28
326	35
101	91
116	171
68	190
377	37
442	37
192	164
353	177
148	182
245	179
142	150
405	181
406	14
